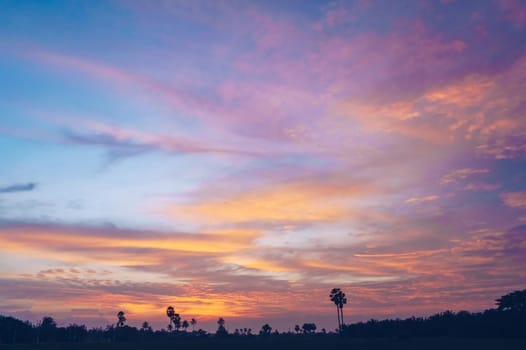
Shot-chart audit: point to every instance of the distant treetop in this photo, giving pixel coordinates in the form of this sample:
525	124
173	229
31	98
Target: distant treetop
514	301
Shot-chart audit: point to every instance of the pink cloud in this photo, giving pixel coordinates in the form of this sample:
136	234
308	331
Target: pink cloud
481	186
461	174
514	199
415	200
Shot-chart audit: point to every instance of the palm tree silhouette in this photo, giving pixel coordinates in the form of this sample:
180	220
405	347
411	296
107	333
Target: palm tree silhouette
193	322
177	322
121	319
185	325
170	312
221	330
339	299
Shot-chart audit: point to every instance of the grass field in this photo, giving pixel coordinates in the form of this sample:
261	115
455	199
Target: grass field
293	343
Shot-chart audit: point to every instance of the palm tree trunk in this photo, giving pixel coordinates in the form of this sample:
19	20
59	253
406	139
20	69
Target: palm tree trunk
341	310
339	323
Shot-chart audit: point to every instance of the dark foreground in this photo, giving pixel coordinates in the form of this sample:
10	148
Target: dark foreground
294	343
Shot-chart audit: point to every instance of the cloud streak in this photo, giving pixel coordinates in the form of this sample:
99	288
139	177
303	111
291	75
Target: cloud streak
21	187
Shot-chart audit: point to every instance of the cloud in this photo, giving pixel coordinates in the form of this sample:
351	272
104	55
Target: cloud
505	147
514	199
461	174
308	199
100	269
122	142
25	187
70	239
481	186
415	200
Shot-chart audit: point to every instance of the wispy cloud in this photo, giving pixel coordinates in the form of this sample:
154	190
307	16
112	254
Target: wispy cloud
122	143
415	200
482	186
22	187
461	174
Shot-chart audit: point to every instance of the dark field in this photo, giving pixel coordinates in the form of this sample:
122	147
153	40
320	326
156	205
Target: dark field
293	343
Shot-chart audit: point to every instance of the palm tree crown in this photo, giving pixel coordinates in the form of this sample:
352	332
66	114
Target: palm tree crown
121	319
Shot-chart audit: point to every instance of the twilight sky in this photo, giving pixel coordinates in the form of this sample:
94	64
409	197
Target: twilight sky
242	158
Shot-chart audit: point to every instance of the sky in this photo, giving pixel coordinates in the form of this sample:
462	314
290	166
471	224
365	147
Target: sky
240	159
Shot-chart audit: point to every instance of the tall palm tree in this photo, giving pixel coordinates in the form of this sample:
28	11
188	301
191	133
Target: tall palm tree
193	322
170	312
339	299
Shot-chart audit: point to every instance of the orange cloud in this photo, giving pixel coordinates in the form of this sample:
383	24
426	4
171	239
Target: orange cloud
475	107
304	202
429	198
65	243
468	92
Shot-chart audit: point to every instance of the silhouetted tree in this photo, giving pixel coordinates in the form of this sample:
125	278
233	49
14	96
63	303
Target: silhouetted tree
146	327
297	328
185	325
170	312
221	330
15	331
193	322
177	322
265	330
47	329
308	328
76	333
121	319
339	299
514	301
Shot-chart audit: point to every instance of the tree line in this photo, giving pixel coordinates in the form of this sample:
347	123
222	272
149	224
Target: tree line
508	319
